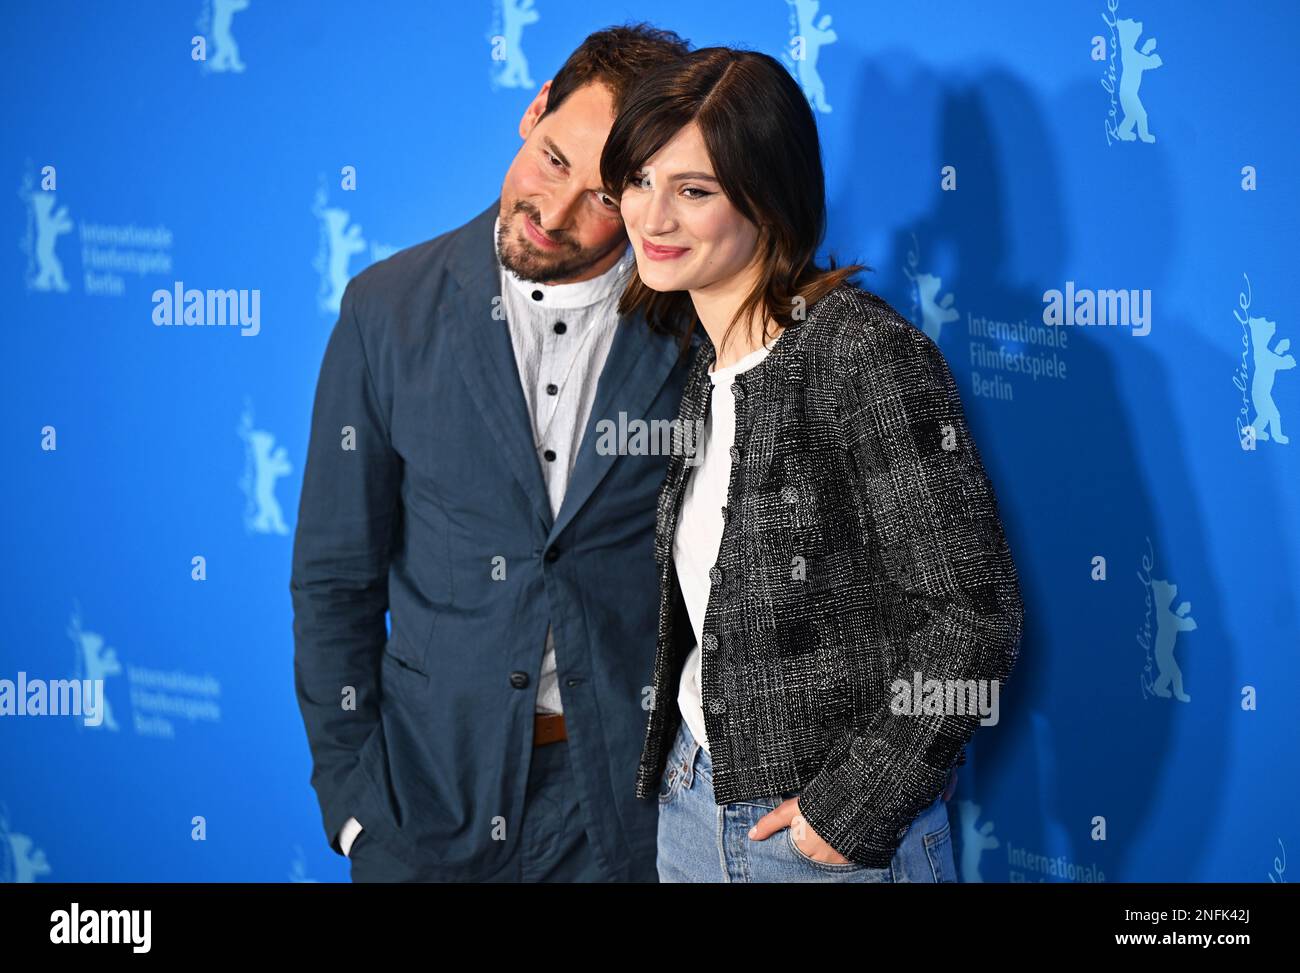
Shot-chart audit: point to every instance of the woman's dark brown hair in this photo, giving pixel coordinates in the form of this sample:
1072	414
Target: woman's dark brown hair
762	140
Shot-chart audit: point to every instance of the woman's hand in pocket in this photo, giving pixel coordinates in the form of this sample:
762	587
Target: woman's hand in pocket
786	815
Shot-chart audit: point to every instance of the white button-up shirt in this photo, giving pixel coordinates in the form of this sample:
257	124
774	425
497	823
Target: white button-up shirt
561	334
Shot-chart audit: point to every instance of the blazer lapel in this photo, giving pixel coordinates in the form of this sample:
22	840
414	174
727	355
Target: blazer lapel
638	364
486	357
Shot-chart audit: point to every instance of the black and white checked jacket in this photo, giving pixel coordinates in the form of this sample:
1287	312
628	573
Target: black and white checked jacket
861	544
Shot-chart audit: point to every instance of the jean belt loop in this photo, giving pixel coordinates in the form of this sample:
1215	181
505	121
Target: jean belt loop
688	770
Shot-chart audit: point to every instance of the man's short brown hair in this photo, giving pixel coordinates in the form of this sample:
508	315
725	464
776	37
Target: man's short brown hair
616	57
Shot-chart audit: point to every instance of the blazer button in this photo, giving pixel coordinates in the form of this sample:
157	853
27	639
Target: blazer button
710	642
715	575
735	453
552	554
519	680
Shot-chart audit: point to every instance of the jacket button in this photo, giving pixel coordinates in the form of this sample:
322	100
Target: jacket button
710	642
737	390
715	575
519	680
735	453
724	513
789	494
552	554
717	705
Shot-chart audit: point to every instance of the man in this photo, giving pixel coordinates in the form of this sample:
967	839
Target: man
454	479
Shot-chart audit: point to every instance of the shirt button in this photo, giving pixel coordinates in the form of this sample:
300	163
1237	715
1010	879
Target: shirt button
715	575
537	295
561	327
735	453
550	455
552	388
519	680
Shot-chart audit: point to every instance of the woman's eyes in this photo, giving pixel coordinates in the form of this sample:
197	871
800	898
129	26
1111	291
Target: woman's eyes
642	181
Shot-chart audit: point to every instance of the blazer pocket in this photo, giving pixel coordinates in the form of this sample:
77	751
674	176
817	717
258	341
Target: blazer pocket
401	658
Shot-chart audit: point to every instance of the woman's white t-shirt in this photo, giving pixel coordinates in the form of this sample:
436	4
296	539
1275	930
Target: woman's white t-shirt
699	527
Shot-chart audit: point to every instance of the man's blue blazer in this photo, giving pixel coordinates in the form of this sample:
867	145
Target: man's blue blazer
423	497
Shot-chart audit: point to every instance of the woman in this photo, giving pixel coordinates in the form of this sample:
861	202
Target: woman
832	545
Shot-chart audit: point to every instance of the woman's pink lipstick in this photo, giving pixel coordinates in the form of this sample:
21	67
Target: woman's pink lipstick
662	253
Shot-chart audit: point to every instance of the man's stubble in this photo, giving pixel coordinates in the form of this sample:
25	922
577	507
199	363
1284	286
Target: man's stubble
529	263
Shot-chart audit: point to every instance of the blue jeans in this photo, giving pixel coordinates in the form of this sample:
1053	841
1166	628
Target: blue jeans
701	841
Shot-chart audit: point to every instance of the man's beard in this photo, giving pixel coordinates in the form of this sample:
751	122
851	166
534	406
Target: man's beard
528	262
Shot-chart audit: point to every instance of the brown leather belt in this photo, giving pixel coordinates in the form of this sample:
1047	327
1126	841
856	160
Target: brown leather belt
548	728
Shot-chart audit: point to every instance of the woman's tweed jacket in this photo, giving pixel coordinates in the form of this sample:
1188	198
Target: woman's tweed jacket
861	544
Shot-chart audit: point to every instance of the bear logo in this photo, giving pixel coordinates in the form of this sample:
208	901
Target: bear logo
1168	625
1133	63
1268	421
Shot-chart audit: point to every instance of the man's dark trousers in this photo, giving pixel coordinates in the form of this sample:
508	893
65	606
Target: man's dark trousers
553	844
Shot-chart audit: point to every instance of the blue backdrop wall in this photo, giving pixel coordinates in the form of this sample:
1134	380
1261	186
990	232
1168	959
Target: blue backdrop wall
983	158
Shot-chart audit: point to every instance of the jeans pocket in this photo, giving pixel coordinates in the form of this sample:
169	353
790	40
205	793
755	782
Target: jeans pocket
799	854
938	848
670	781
